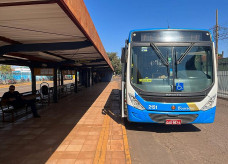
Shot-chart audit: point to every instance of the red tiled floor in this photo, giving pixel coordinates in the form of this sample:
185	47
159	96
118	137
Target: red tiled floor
70	131
89	148
74	148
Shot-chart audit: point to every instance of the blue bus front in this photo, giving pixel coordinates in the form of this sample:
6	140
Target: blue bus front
171	77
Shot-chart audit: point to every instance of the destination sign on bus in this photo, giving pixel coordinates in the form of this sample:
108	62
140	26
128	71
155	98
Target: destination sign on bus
170	36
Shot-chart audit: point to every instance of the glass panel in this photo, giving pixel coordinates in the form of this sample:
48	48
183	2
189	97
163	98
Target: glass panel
193	74
195	71
147	70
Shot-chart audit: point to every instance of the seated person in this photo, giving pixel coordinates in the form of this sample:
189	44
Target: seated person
15	99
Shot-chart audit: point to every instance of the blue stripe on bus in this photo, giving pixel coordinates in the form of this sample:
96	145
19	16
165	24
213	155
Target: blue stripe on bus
136	115
162	106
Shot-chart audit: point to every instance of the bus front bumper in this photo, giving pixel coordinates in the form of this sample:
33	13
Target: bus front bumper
192	117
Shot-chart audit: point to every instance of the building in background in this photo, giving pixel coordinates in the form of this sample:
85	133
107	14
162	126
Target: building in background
21	73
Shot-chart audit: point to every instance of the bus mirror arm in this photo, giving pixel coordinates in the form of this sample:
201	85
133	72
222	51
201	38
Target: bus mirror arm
185	53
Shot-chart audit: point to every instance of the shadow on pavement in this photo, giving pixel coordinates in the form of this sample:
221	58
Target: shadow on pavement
112	106
32	140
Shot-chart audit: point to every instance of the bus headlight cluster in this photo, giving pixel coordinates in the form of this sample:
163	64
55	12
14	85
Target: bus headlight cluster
135	102
209	104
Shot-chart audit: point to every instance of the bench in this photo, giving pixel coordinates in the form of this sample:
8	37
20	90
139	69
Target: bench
6	108
70	88
37	96
61	91
9	109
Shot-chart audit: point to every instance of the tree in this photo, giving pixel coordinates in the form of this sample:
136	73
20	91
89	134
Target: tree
115	60
5	70
220	56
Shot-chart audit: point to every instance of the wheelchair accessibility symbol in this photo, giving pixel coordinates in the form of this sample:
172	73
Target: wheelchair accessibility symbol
179	86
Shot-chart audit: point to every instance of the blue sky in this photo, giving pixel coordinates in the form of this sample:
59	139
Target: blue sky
114	19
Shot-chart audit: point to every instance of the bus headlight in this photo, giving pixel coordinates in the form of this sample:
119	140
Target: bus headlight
135	102
209	104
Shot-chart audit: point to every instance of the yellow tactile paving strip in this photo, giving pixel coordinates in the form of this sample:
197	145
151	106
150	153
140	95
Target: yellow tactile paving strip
96	138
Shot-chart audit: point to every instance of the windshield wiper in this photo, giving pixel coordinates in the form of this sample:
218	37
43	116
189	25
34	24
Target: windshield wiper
185	53
158	52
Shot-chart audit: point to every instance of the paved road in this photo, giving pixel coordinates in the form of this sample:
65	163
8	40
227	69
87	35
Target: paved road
26	87
202	143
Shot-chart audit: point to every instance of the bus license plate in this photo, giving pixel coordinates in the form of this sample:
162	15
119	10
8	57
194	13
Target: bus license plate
173	122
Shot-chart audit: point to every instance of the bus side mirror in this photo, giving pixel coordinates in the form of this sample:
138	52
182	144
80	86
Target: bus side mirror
123	58
124	63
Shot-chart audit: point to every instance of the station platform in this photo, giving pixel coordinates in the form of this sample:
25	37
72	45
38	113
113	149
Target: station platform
84	127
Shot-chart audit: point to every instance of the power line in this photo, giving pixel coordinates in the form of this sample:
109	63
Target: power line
222	32
219	33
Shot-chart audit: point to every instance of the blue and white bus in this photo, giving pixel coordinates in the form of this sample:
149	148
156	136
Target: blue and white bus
169	76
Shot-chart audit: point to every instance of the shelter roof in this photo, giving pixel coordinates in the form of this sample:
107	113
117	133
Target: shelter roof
65	27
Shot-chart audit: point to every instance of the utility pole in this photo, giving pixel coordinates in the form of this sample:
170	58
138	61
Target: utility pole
216	28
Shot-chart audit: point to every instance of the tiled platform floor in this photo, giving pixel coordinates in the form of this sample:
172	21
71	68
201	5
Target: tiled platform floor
81	128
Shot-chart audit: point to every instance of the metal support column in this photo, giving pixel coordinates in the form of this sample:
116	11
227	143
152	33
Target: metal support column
83	78
92	76
85	74
58	77
89	77
61	77
76	82
80	77
33	79
55	94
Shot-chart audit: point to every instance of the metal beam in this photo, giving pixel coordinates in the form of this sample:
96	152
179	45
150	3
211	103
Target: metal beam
29	57
26	3
96	61
7	40
95	65
16	62
10	61
43	47
49	53
33	58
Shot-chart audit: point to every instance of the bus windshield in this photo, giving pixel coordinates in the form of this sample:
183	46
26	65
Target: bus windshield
171	68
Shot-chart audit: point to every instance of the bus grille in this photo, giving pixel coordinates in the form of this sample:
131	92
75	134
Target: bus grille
173	99
185	118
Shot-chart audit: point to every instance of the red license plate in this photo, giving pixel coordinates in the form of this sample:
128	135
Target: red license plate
173	122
